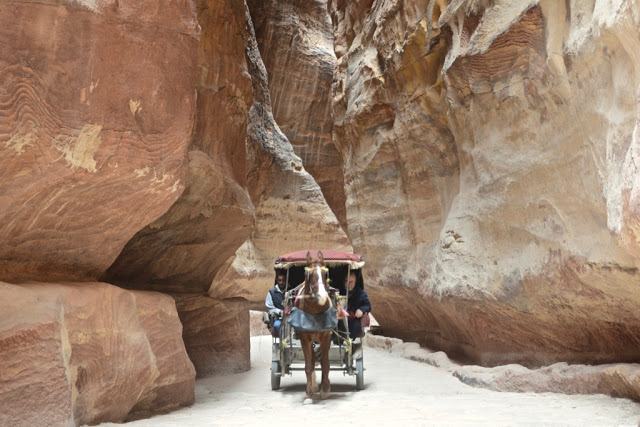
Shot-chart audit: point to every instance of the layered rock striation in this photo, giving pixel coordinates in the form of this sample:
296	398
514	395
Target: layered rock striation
85	353
248	197
480	155
96	111
291	212
181	251
216	333
500	139
139	148
296	43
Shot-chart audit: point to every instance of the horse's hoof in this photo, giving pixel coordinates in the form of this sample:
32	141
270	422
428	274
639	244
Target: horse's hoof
307	401
324	395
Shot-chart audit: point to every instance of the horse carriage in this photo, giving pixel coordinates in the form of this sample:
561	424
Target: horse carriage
288	348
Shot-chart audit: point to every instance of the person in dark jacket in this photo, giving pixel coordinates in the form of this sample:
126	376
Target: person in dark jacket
358	303
273	301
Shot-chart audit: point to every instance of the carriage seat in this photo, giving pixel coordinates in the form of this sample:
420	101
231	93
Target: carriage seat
365	321
269	319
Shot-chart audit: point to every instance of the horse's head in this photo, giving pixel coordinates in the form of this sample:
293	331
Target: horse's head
316	278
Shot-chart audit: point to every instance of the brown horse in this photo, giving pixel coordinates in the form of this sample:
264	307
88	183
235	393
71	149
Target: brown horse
315	300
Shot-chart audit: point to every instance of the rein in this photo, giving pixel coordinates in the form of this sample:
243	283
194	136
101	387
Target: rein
301	295
313	295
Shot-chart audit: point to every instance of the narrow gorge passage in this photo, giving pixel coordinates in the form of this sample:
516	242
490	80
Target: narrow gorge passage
397	391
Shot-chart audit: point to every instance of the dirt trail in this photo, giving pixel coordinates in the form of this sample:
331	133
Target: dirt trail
398	392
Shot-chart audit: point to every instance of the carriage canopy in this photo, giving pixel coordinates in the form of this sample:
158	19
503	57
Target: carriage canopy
331	258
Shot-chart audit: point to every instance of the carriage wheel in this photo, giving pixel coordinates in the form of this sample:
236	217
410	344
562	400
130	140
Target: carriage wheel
359	374
275	378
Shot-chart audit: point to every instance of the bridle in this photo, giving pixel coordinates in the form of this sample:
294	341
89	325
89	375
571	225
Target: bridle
320	283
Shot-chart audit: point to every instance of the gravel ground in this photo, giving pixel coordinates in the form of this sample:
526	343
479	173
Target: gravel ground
397	391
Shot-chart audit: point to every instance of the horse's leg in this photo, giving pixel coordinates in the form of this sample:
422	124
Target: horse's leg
316	358
325	343
314	381
307	350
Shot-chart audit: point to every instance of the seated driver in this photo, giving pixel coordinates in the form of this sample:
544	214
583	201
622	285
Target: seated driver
273	301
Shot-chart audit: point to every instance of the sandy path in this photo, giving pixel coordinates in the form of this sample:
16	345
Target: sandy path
397	392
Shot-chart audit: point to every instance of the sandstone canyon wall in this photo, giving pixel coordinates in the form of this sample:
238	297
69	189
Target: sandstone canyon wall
246	189
96	110
98	102
296	42
480	155
291	211
138	148
490	177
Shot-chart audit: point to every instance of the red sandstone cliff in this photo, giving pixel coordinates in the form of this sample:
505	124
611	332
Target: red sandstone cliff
480	155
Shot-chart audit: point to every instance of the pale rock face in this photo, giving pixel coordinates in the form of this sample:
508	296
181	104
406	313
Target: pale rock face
500	139
65	363
89	154
291	212
618	379
296	43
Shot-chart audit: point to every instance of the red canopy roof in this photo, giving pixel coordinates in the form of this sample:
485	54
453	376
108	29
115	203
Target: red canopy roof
328	255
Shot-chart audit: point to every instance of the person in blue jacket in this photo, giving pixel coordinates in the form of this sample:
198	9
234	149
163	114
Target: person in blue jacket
358	303
273	301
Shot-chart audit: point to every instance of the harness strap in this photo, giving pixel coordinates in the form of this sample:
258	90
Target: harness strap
298	295
347	340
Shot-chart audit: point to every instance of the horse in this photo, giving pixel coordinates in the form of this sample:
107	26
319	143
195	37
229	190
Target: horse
315	299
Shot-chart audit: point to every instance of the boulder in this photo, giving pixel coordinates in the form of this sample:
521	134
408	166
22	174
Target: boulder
86	353
216	333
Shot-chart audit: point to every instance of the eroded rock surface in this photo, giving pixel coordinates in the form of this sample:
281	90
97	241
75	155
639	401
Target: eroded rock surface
296	43
183	250
248	197
489	177
216	333
65	362
616	380
290	209
126	119
95	115
487	152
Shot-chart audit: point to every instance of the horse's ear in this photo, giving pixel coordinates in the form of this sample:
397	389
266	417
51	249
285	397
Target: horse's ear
309	257
320	256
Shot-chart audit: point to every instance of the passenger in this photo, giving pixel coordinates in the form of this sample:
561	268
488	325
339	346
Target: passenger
358	303
273	301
